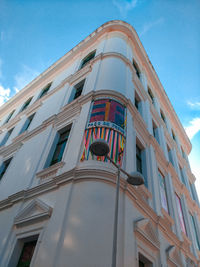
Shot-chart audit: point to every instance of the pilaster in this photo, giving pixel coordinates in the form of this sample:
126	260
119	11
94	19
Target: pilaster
153	179
130	145
188	223
172	204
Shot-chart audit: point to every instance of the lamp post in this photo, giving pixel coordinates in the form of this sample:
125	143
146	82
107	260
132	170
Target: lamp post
101	148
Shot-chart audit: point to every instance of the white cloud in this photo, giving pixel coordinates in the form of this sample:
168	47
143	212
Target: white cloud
124	6
24	77
195	105
150	25
4	94
193	128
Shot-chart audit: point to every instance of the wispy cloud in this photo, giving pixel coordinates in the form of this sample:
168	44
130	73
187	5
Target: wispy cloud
193	128
124	6
24	77
194	105
150	25
4	94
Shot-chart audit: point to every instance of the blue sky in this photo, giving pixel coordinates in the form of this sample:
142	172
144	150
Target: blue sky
36	33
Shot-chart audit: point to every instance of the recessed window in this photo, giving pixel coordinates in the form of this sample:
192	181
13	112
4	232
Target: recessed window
162	116
192	192
182	176
155	131
180	214
144	262
26	104
163	192
173	135
4	167
45	90
135	65
27	123
63	136
170	155
194	229
5	139
137	101
77	90
87	59
139	159
9	117
151	95
27	253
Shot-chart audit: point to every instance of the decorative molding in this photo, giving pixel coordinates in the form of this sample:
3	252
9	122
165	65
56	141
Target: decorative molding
10	150
147	232
145	193
50	171
173	256
34	211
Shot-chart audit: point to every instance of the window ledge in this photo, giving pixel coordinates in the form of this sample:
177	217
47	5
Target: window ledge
50	171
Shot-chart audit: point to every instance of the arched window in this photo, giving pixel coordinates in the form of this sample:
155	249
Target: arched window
87	58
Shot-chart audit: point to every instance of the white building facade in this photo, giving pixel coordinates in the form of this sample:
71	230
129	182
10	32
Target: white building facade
57	199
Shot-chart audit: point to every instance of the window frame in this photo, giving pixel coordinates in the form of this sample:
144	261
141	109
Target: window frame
78	86
6	137
180	214
87	59
45	90
59	143
26	104
149	91
4	167
137	69
9	116
163	190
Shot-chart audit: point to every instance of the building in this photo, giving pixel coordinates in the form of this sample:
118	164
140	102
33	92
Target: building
57	200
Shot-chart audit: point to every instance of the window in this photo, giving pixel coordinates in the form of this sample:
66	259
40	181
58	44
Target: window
180	214
170	155
155	131
5	139
163	192
45	90
26	104
137	101
192	192
136	69
27	253
162	116
9	116
195	232
60	146
27	123
4	167
77	90
138	159
151	95
144	262
182	176
87	59
173	136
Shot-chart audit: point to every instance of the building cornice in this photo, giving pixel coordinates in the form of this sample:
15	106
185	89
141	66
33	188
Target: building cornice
128	30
